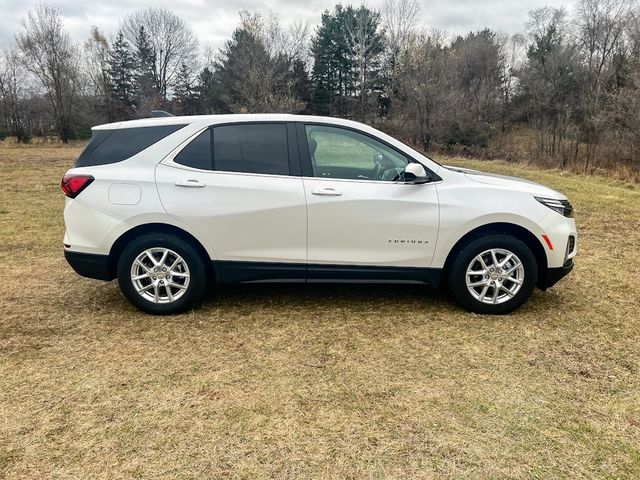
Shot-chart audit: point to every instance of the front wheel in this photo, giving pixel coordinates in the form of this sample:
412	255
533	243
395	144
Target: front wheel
494	274
161	274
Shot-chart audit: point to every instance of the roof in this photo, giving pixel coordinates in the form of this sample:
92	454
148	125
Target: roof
213	119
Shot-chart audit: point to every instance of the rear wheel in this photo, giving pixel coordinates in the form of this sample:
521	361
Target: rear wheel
494	274
161	274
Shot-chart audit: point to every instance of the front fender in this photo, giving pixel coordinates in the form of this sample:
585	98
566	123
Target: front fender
451	233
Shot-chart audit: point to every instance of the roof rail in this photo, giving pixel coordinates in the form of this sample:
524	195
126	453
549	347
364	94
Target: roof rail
160	113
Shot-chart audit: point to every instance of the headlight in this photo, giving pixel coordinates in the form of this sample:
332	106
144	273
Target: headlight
563	207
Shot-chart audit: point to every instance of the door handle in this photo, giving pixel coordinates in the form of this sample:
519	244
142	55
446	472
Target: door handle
192	183
328	192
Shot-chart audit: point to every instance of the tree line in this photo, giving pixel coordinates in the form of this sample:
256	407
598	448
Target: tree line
565	92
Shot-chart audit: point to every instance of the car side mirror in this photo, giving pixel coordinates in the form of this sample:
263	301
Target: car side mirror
415	173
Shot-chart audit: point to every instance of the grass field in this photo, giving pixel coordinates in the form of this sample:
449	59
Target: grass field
316	382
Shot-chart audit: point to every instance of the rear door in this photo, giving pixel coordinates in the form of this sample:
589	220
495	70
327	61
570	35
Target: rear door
239	185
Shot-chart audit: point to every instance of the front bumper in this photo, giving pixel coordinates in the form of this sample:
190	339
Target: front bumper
90	265
554	275
558	229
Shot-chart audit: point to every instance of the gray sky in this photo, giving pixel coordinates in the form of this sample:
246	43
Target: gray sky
213	21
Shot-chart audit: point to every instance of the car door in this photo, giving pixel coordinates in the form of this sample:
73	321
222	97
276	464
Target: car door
363	221
240	186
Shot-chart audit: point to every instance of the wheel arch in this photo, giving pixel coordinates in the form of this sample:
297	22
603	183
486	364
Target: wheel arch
511	229
119	245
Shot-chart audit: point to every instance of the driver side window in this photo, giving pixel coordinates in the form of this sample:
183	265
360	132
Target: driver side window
342	153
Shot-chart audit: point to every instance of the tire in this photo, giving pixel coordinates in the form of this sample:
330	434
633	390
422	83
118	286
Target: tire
501	287
143	282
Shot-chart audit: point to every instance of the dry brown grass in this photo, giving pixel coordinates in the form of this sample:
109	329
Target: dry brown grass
316	382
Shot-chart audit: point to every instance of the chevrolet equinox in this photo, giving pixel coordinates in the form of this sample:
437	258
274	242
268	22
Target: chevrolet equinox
167	204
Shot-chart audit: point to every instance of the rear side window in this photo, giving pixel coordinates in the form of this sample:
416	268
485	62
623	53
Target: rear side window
113	146
251	148
198	153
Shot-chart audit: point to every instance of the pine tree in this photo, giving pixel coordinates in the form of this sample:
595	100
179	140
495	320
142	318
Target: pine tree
122	73
147	83
207	97
301	84
347	51
329	65
185	96
240	72
249	79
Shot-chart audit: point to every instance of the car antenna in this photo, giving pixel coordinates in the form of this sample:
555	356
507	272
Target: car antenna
160	113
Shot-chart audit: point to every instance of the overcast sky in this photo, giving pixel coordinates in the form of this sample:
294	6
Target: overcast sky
213	21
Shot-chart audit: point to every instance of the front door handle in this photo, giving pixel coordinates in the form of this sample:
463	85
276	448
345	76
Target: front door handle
328	192
192	183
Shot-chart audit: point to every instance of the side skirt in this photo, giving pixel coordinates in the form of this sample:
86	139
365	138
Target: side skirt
244	272
249	272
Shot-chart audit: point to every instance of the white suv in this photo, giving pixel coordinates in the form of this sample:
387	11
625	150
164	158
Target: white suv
166	204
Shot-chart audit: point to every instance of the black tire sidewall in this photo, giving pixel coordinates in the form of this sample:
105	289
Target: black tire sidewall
457	277
195	262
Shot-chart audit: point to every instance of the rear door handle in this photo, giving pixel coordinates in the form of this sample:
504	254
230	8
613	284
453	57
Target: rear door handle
191	183
328	192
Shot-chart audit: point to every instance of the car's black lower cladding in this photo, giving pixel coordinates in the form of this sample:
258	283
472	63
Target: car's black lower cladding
201	269
554	275
90	265
242	272
100	267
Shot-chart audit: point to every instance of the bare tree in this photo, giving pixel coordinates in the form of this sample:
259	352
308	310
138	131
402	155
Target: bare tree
549	85
171	40
96	66
423	90
13	81
209	56
48	53
296	45
546	21
399	19
601	28
289	43
513	54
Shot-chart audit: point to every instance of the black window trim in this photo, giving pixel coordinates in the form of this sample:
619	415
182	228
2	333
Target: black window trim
293	154
307	166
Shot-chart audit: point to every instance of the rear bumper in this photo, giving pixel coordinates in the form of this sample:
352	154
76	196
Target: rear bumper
90	265
554	275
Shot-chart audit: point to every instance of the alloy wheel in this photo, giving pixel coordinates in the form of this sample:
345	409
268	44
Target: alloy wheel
495	276
160	275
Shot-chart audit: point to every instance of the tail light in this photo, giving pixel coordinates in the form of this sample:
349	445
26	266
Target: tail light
72	185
